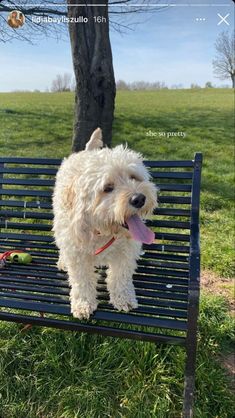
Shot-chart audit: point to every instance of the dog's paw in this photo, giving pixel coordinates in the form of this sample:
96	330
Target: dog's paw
82	309
124	302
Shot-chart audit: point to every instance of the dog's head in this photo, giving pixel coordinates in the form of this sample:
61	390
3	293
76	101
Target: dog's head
113	191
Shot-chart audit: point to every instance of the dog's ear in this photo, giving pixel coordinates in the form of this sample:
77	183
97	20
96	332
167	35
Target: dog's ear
69	195
80	220
75	198
95	141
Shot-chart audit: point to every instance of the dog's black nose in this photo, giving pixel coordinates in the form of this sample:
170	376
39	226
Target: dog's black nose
137	200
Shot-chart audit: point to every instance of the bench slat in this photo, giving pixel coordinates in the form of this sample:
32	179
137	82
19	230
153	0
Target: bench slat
37	161
25	192
44	238
164	236
25	215
174	187
172	212
153	263
49	216
50	250
175	199
39	263
162	295
99	315
166	163
141	309
40	272
57	161
165	248
93	329
51	257
153	251
50	183
164	272
29	170
173	306
28	182
168	224
45	279
27	237
47	194
161	279
25	226
25	204
64	291
164	256
172	175
46	205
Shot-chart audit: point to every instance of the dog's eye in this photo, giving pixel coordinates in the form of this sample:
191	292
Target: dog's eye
108	188
133	177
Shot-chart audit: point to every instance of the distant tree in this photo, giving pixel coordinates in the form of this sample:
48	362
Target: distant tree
73	85
61	83
159	85
177	86
195	86
141	85
122	85
224	86
147	85
224	62
208	85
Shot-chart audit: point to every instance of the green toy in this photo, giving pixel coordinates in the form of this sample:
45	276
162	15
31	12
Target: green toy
15	256
21	258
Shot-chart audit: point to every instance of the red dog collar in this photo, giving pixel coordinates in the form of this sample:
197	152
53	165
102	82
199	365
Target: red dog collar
101	249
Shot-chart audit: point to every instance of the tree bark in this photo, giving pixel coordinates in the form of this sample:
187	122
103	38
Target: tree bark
233	80
93	67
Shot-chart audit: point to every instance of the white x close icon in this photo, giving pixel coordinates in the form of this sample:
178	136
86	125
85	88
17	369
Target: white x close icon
223	19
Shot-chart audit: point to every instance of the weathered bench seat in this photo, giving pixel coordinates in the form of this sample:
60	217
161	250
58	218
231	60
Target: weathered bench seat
166	281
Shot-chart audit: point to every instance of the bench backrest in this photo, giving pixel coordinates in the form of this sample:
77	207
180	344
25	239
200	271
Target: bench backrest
26	186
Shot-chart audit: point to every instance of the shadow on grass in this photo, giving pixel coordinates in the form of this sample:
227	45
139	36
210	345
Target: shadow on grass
205	131
33	115
206	121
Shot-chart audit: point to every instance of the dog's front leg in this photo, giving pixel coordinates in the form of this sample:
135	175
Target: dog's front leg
82	280
120	284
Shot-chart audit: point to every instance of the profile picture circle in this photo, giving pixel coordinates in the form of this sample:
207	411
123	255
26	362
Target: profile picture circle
16	19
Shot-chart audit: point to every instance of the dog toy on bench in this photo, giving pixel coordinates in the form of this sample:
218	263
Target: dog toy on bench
15	256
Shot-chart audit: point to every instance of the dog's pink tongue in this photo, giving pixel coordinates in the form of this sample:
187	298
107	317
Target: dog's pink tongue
139	230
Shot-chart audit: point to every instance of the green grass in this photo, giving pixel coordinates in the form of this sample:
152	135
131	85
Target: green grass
57	374
40	124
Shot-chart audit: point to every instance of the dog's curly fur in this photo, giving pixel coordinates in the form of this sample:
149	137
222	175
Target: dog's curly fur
91	203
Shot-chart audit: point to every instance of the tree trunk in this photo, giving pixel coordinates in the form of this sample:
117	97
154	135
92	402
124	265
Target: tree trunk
93	67
233	80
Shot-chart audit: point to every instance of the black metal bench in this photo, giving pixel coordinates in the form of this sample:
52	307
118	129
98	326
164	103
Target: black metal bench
166	282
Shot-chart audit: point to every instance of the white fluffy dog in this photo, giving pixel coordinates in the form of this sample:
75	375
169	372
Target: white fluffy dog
100	199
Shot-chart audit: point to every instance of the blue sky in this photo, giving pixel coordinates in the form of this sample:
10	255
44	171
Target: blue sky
170	46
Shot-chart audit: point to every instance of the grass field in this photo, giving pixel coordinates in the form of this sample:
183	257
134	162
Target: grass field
40	124
51	374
